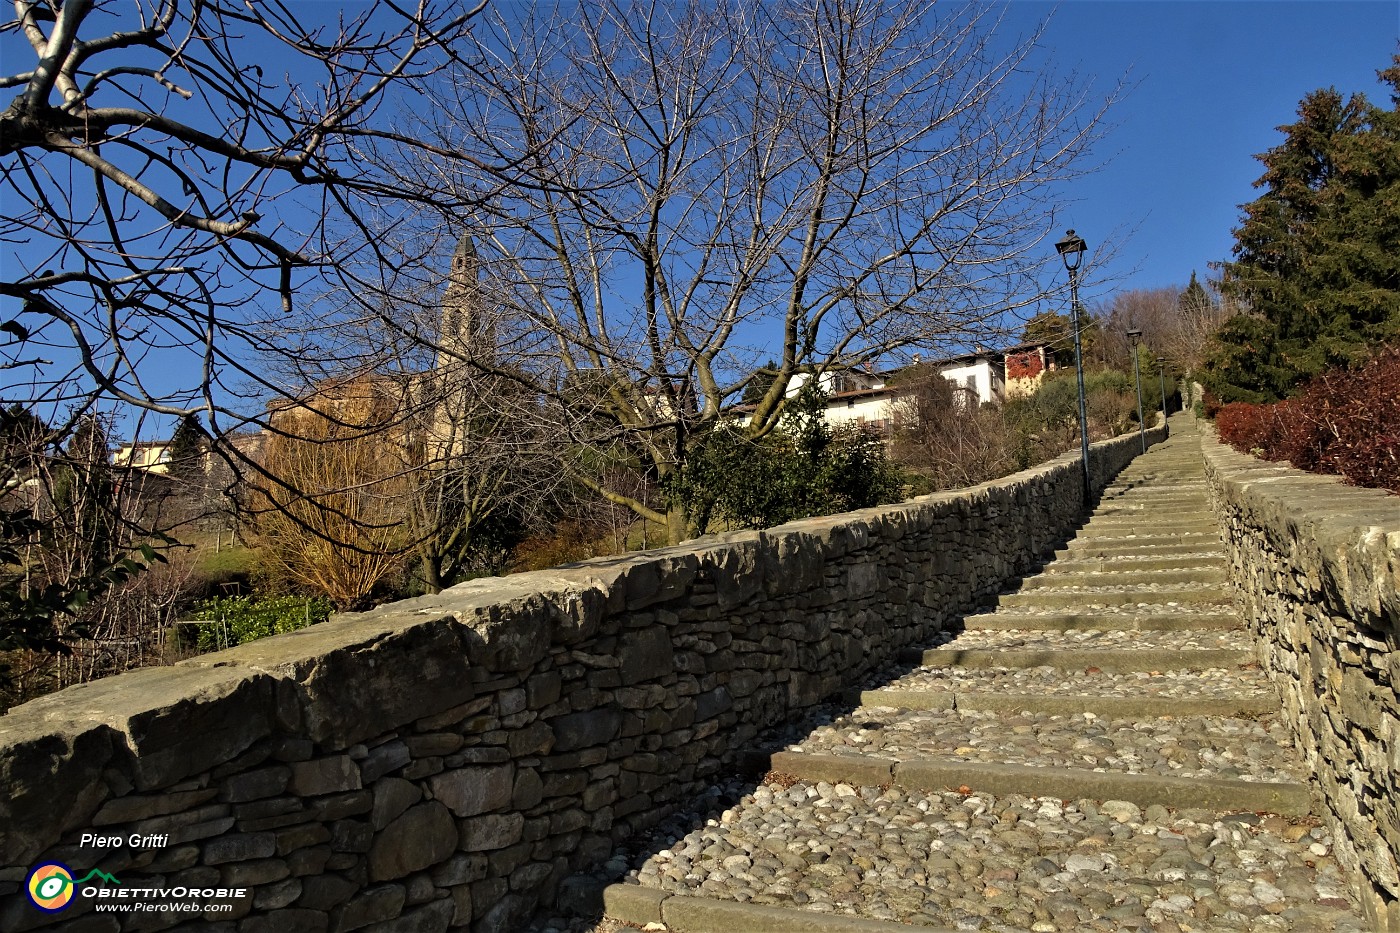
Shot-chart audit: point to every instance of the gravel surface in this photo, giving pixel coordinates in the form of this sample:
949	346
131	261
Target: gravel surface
1009	864
1244	749
1049	681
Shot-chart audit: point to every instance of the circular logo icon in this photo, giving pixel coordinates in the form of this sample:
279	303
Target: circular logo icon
50	887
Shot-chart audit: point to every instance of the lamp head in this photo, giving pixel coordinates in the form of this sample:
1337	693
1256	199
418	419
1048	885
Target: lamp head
1135	336
1071	250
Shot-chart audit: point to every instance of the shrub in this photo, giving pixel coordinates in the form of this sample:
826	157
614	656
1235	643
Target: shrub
239	619
1244	426
1344	422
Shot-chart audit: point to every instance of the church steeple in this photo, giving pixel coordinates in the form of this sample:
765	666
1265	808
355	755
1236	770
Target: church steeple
467	330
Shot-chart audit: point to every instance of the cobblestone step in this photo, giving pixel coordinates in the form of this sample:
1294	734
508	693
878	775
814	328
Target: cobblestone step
953	857
1082	639
1129	547
1181	595
1123	574
1125	618
1259	749
1130	562
1123	527
1288	798
1113	660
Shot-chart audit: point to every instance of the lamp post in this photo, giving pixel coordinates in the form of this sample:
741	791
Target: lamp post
1162	380
1135	336
1071	250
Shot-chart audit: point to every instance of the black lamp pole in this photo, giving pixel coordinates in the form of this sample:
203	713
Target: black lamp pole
1135	336
1162	380
1071	250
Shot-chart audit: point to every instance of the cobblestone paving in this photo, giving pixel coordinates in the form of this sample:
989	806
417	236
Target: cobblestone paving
1019	862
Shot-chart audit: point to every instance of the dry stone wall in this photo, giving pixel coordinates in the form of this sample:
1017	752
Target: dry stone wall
448	761
1318	564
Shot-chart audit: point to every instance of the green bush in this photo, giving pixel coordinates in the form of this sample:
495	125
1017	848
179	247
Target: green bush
235	620
804	468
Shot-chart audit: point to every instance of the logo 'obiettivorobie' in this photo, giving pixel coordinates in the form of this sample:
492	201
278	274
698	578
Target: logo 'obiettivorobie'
51	885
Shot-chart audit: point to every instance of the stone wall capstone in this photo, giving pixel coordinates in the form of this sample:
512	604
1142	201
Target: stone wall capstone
447	761
1318	565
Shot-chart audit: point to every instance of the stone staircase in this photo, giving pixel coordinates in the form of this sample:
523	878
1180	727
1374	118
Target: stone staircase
1094	751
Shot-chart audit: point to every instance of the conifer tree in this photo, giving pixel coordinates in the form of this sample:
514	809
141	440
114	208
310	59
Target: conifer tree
1317	256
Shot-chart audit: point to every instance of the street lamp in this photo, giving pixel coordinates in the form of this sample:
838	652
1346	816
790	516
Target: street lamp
1071	250
1135	336
1162	380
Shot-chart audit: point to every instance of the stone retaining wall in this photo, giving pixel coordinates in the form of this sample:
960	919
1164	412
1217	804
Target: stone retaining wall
447	761
1318	564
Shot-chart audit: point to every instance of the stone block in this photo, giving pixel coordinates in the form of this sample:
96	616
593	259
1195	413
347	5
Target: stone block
238	847
299	837
351	836
255	785
434	917
382	759
472	790
491	831
372	905
248	874
392	796
135	807
582	730
319	776
645	654
422	837
324	892
285	921
460	869
528	789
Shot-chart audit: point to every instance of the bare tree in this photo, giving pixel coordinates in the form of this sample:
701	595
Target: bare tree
670	193
173	173
944	436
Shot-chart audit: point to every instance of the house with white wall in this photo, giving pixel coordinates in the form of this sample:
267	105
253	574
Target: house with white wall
864	397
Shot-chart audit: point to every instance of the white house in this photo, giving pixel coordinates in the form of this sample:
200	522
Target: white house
863	397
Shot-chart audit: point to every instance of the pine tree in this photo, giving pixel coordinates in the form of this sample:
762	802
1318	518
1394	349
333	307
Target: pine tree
1317	256
187	449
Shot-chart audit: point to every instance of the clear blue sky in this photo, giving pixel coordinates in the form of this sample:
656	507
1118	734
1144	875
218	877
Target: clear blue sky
1214	80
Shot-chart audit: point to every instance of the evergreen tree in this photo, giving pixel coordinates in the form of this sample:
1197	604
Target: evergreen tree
187	449
1317	256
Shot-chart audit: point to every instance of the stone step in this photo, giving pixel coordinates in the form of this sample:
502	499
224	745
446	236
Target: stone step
655	909
1124	528
1147	491
1070	704
1081	549
1107	620
1232	691
1140	512
1067	565
1164	539
1255	749
1092	640
1048	598
1112	660
1144	790
926	849
1122	575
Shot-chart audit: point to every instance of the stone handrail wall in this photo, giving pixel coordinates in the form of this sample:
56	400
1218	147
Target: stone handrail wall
1318	564
449	760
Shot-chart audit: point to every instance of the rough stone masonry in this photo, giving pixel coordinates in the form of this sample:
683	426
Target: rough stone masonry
447	761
